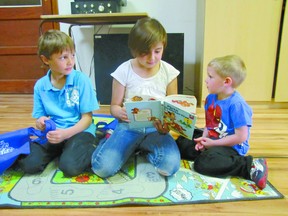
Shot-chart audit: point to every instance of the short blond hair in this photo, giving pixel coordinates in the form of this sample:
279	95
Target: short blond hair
230	66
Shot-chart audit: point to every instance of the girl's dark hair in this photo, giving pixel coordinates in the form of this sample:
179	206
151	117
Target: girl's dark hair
144	34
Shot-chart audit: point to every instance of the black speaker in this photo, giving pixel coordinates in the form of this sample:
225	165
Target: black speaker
110	50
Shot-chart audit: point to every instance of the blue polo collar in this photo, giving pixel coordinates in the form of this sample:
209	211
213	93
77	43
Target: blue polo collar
48	85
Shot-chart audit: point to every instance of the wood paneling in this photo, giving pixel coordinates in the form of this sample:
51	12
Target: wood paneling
246	28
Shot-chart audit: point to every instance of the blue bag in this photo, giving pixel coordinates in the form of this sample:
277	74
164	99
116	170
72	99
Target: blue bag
104	122
15	143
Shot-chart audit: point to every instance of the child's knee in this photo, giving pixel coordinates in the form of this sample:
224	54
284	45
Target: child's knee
106	165
70	170
71	166
30	166
167	172
169	166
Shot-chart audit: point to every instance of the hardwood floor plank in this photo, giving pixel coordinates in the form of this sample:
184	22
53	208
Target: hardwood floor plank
269	138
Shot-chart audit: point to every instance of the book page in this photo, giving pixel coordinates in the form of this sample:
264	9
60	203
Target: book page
143	111
180	114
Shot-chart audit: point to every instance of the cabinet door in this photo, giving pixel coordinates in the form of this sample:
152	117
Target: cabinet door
281	92
248	29
20	65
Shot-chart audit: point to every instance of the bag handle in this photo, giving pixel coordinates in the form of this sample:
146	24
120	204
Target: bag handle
101	125
49	126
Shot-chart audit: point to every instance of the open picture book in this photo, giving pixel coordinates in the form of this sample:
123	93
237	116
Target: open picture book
178	112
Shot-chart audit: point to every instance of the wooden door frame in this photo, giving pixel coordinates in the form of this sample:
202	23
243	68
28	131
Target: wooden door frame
24	85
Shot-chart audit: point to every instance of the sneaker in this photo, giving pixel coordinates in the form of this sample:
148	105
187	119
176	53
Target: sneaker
109	133
259	172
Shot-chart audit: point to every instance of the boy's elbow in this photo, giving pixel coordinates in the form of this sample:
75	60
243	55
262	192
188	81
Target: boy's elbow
243	138
242	134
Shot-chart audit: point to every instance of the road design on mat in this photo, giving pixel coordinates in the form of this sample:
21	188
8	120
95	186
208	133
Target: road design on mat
40	188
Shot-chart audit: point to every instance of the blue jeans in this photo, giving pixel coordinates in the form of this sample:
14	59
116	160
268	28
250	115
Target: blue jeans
161	150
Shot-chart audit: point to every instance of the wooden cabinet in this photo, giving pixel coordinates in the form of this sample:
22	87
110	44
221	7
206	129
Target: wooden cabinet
281	90
243	27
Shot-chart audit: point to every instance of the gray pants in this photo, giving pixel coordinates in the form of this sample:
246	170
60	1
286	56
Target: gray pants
74	155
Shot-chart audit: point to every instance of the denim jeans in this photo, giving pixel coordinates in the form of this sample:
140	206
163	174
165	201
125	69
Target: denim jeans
160	149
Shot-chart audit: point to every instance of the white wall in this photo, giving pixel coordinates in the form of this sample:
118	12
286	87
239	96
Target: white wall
175	16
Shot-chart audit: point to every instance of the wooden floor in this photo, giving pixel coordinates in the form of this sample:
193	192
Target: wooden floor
269	138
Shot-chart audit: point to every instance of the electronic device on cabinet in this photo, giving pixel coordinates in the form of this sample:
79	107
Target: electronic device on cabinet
92	6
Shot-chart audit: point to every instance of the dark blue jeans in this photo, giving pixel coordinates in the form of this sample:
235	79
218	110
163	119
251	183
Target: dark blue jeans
74	155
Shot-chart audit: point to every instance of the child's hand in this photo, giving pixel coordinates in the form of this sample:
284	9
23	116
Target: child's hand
207	142
163	129
122	114
56	136
199	146
40	123
203	143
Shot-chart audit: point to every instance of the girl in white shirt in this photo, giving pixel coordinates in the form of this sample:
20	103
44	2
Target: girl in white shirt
145	74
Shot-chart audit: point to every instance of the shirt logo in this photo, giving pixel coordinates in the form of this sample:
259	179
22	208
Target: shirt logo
72	97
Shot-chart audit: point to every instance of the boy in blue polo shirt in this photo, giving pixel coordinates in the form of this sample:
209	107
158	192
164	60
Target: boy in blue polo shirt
65	96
